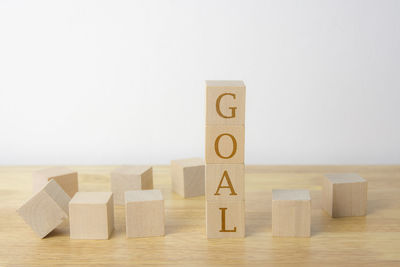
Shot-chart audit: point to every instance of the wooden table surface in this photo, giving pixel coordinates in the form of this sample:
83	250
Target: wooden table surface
370	240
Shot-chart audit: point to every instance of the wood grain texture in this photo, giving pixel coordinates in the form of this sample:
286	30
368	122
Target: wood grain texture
66	178
224	144
130	177
225	181
144	212
359	241
344	194
225	132
225	102
91	215
225	219
187	177
291	213
46	209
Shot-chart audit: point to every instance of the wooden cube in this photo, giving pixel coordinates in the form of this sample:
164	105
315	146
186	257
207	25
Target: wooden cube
127	178
187	177
66	178
225	181
291	213
46	209
144	213
91	215
224	144
225	102
225	219
344	194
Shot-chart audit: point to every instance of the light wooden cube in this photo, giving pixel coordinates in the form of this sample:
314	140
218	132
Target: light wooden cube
225	102
127	178
188	177
224	144
46	209
225	182
66	178
344	194
144	213
291	213
91	215
225	219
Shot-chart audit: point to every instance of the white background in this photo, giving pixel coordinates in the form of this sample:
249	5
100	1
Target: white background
119	82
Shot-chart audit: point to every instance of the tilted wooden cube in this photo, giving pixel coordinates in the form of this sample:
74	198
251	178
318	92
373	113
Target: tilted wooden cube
91	215
144	212
46	209
344	194
291	213
127	178
66	178
188	177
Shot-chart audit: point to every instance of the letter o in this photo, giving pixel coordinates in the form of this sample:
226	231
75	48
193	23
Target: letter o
216	146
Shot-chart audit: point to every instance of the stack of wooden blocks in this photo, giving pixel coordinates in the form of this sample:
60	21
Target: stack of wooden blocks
91	214
224	153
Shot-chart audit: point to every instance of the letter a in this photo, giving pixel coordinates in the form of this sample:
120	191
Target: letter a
230	186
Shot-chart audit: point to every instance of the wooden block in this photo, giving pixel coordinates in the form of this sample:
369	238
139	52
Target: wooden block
225	182
344	194
224	144
144	213
46	209
91	215
225	219
225	102
187	177
66	178
127	178
291	213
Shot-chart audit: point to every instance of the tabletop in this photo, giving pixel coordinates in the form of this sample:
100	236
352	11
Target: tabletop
370	240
